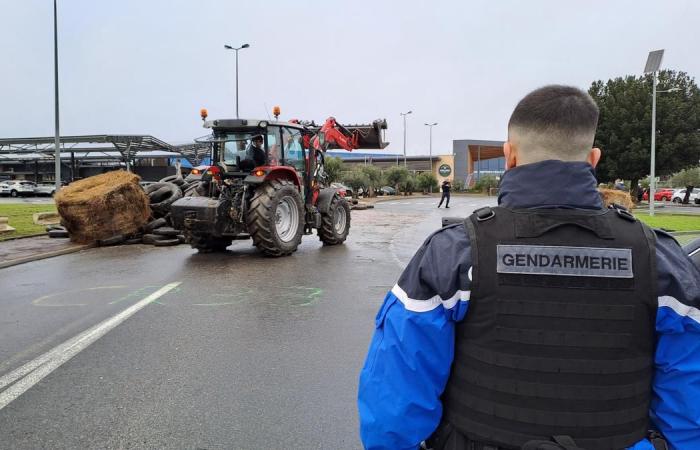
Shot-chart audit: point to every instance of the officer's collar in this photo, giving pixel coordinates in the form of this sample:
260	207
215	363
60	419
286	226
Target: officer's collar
550	184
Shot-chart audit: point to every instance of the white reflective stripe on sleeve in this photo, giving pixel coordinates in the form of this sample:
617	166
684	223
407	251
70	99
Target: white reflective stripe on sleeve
680	308
430	303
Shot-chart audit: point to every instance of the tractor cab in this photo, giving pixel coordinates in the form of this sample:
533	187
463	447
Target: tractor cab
240	146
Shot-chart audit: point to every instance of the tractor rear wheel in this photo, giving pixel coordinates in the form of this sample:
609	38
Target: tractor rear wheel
335	224
208	244
275	218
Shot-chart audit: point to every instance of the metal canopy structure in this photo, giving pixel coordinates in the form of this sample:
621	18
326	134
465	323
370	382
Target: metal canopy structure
126	147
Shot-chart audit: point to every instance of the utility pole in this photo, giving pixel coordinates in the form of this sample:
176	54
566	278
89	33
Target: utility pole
430	126
57	137
404	135
652	66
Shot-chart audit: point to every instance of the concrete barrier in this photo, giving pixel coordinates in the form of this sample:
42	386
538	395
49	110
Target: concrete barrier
4	225
46	218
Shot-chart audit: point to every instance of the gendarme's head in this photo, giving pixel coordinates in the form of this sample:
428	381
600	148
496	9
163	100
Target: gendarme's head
552	122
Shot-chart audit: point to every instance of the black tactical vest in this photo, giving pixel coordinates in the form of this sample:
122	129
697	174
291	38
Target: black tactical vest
559	335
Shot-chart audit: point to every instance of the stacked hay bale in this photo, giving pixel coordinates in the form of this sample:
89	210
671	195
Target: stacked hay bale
617	197
103	206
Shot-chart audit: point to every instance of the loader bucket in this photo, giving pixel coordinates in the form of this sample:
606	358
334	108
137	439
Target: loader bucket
370	136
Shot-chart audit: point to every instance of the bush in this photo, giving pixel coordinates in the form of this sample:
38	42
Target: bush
334	168
396	175
486	183
426	181
409	185
356	179
687	177
375	178
458	185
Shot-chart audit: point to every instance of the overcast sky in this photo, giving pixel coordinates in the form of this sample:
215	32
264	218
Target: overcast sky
148	66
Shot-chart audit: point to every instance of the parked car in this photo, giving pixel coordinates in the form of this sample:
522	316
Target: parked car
386	190
660	195
45	189
679	195
16	188
342	190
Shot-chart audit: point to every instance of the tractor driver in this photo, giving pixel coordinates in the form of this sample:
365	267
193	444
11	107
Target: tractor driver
255	151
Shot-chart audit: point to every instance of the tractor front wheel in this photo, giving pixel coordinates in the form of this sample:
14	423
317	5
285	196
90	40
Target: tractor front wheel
275	218
335	224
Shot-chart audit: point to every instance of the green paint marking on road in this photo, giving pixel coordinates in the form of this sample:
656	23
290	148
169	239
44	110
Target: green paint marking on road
132	294
311	295
40	301
238	297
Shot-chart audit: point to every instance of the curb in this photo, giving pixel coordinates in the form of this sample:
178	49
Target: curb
65	251
24	237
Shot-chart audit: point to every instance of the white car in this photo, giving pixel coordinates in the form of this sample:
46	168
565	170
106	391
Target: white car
679	195
15	188
45	189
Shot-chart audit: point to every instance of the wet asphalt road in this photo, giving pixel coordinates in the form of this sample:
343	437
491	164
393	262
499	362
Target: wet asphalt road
246	353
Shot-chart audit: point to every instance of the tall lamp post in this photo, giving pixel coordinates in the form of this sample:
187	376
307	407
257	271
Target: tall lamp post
228	47
652	66
430	126
404	135
57	138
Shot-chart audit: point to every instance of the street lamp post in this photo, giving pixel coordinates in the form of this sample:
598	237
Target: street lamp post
57	138
430	126
404	135
228	47
652	66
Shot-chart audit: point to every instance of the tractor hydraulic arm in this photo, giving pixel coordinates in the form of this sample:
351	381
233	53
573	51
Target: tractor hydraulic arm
332	135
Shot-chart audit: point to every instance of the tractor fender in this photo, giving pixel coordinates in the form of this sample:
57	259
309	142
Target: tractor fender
274	173
325	196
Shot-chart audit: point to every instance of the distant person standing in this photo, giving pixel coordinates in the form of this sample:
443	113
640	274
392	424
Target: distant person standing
446	186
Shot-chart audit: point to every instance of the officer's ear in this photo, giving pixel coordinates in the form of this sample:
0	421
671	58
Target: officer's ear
511	155
593	156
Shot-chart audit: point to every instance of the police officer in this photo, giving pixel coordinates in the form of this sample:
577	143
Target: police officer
545	322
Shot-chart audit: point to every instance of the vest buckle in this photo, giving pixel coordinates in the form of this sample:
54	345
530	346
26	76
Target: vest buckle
484	213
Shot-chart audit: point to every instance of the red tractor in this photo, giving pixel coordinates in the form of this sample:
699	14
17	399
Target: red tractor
267	182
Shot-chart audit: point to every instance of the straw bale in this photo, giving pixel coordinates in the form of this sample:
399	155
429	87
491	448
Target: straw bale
611	196
103	206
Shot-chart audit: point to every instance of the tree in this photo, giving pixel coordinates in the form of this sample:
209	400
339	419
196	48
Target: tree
485	183
687	177
624	126
425	181
334	168
409	184
396	175
374	177
356	180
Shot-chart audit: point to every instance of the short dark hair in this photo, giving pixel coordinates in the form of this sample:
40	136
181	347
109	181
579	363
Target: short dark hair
560	119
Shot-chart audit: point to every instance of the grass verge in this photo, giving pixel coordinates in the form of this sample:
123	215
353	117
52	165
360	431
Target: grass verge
671	222
20	217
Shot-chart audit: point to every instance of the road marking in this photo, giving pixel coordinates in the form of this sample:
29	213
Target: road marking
34	371
40	301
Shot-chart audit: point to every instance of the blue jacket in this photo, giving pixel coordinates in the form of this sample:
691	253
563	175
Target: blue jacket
410	355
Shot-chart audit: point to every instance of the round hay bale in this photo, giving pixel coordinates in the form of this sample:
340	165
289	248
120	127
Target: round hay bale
610	196
103	206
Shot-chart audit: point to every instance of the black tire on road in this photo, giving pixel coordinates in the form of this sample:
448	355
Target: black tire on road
275	219
58	234
335	224
173	179
166	242
114	240
14	193
153	224
151	239
166	231
162	195
207	244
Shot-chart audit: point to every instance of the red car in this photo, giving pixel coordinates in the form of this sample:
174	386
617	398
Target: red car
659	195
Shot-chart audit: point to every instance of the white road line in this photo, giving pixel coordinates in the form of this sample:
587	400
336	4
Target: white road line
34	371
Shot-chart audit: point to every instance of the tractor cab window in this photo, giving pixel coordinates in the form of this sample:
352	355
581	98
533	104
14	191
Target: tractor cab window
244	150
293	149
274	155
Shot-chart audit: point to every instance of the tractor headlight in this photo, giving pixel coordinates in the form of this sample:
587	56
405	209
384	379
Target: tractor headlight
263	124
